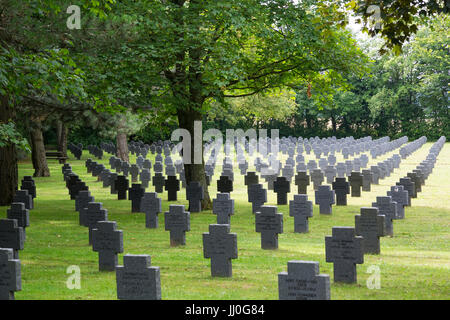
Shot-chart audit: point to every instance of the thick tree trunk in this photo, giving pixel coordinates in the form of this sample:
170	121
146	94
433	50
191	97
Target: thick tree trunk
122	147
8	159
38	151
193	171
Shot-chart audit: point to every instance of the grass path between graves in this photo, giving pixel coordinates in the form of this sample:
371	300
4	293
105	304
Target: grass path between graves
414	264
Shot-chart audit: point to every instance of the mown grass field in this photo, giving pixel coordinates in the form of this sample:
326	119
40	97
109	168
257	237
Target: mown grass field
414	264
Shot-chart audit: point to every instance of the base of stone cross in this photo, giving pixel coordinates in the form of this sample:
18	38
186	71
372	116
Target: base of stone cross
269	241
371	245
221	267
301	226
341	200
223	219
281	198
177	238
6	295
151	221
301	190
344	272
107	261
256	207
172	196
195	206
325	209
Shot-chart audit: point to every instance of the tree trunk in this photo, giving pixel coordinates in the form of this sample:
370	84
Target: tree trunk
8	159
193	171
38	150
62	132
122	147
333	124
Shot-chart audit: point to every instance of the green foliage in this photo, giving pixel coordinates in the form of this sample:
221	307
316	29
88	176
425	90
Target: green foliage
403	94
399	20
10	135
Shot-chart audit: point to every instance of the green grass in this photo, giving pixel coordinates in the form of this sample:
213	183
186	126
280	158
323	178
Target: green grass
414	264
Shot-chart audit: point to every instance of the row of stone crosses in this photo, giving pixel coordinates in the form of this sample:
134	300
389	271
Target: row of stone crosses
302	279
281	185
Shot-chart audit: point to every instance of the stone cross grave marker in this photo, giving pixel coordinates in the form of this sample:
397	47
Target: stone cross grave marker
269	223
158	182
251	178
76	187
409	186
172	186
341	170
28	183
356	180
375	174
281	187
288	172
302	281
220	246
24	197
371	226
302	182
367	180
137	280
121	185
301	209
92	215
158	167
324	197
331	159
420	176
323	163
344	250
82	200
10	274
301	166
311	165
348	167
105	178
270	179
223	207
134	171
112	179
108	242
17	211
151	206
257	195
388	208
364	160
145	177
400	196
140	161
135	194
177	221
170	170
341	188
243	166
194	194
224	184
147	164
11	236
417	182
330	174
317	178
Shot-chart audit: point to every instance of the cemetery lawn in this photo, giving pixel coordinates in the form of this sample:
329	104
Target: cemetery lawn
414	264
